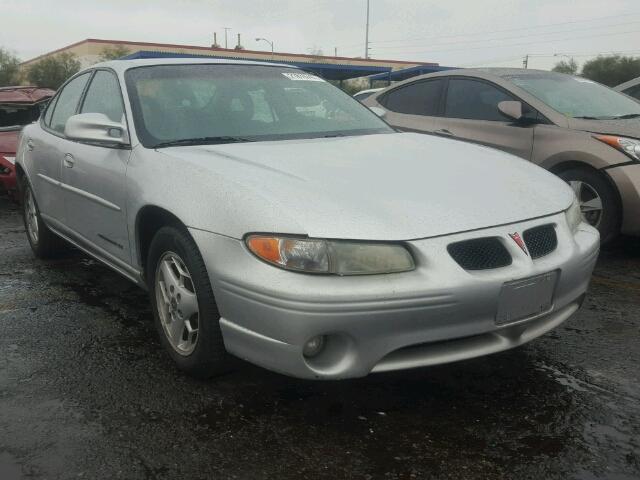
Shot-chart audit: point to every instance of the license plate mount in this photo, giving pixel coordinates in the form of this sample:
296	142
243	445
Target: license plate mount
526	298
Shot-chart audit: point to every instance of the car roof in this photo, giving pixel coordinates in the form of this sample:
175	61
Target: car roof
490	73
123	65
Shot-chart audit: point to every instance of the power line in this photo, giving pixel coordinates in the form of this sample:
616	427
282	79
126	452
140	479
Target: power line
547	55
431	51
493	60
593	54
508	29
513	37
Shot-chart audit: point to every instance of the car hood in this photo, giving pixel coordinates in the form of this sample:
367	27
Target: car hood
9	141
397	186
625	128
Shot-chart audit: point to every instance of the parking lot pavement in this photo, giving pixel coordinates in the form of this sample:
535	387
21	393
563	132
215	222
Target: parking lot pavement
86	392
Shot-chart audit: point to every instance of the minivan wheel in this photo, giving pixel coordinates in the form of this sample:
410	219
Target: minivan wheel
184	308
44	243
598	201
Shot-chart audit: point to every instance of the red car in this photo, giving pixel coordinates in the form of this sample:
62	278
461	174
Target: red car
19	106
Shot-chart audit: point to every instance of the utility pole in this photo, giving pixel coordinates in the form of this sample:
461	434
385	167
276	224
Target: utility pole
525	61
269	42
226	29
335	51
366	35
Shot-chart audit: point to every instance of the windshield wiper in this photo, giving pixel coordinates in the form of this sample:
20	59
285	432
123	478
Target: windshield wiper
202	141
334	135
611	117
625	117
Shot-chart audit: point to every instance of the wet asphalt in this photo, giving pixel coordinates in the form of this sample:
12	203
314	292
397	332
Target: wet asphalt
87	392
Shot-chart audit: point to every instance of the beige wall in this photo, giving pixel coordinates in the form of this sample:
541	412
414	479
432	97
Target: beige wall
88	52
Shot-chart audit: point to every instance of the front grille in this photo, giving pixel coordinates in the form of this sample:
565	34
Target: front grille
480	253
540	240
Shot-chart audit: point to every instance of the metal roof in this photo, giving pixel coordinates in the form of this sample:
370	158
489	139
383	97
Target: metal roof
403	74
328	71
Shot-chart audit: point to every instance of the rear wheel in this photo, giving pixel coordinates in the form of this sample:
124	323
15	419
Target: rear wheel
44	243
598	201
184	308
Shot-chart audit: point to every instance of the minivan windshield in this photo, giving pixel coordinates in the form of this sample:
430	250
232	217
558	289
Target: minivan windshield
190	104
577	97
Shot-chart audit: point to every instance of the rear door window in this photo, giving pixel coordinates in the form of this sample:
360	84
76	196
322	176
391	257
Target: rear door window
420	98
474	100
67	102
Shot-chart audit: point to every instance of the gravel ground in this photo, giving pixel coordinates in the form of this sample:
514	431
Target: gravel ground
87	392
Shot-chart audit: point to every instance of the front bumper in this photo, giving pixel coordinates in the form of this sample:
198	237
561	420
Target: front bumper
435	314
627	180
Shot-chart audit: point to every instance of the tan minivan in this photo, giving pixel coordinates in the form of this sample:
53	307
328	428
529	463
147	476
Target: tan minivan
586	133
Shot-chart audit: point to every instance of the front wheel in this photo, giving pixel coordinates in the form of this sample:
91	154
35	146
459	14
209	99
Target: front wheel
184	308
598	201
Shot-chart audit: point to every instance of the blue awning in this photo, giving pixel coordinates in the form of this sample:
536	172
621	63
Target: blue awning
328	71
398	75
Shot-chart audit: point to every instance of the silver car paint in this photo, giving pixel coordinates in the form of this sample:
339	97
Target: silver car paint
267	315
423	190
398	187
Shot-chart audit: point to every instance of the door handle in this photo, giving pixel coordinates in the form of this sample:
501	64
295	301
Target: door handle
68	160
30	145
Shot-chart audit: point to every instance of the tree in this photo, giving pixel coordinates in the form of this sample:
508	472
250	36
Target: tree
611	70
353	85
51	72
113	53
9	68
564	66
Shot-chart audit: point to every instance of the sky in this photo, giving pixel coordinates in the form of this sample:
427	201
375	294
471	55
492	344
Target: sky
460	33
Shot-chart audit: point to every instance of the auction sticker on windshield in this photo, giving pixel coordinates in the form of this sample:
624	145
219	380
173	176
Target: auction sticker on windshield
302	76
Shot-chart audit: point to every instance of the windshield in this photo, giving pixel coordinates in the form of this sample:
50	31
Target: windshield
577	97
200	104
15	116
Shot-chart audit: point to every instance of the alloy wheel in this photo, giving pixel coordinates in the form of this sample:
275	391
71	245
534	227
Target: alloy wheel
31	215
590	202
177	303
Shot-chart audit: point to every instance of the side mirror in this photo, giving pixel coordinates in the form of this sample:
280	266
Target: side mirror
381	112
511	108
96	127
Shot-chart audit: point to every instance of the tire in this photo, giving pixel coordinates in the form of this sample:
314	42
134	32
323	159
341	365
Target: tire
44	243
587	183
175	271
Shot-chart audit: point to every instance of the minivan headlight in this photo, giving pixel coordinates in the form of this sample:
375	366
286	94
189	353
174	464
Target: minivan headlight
628	146
574	215
338	257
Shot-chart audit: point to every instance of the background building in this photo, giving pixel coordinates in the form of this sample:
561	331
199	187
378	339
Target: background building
89	51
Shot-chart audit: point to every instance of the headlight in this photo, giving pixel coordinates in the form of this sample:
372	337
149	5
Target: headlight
628	146
337	257
574	215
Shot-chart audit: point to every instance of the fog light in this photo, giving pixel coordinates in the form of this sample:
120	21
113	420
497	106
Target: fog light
313	347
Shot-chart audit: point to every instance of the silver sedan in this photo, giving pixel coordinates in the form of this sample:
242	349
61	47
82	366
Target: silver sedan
274	218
